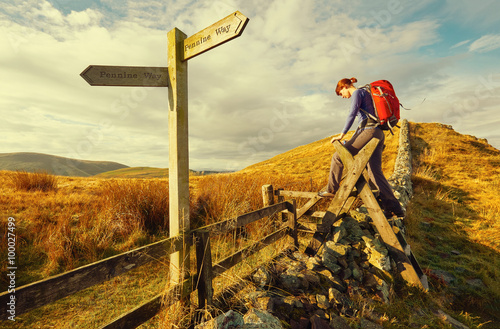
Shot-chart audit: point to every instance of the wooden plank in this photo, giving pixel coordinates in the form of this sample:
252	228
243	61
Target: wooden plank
340	200
149	309
126	76
355	170
46	291
237	257
317	214
383	227
230	224
308	205
296	194
215	35
404	265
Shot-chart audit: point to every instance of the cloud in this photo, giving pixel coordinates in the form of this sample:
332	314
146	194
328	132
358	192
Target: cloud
257	96
485	43
460	44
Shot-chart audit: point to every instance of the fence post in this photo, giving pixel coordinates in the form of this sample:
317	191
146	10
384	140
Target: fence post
204	268
281	198
292	221
267	195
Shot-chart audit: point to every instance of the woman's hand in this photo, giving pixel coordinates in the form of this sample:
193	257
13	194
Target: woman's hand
337	138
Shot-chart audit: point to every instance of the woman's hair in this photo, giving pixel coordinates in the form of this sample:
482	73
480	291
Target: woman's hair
345	83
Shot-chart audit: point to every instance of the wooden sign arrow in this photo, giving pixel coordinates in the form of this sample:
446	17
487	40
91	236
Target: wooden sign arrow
216	34
130	76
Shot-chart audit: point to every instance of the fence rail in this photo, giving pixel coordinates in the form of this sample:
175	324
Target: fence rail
49	290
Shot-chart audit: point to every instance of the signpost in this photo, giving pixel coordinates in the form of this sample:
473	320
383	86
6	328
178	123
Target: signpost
180	49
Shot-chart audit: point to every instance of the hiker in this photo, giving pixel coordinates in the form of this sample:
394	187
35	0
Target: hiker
368	128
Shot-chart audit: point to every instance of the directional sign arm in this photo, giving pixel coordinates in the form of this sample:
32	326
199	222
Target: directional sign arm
129	76
216	34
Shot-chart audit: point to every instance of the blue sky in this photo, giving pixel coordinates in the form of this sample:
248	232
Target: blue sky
264	93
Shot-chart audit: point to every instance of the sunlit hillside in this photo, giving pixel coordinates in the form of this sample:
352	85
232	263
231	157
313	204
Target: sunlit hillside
452	221
312	161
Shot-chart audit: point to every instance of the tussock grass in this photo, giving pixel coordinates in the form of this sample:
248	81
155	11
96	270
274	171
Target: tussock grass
37	181
138	202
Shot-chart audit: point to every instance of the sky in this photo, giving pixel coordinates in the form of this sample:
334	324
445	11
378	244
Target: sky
256	96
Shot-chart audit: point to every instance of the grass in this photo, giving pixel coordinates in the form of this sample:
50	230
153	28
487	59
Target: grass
81	220
452	217
37	181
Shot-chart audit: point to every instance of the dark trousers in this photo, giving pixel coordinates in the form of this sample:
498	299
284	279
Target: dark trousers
377	178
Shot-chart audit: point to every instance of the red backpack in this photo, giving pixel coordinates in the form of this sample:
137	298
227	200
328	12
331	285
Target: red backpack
385	102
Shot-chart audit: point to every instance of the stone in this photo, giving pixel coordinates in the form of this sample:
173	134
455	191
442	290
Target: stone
293	301
449	320
301	324
338	250
340	233
228	320
447	277
367	324
310	277
347	274
378	284
476	283
318	323
313	263
267	320
265	303
377	253
356	271
322	301
262	277
290	281
338	298
338	322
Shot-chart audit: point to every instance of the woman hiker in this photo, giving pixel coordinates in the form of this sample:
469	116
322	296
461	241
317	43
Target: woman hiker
367	129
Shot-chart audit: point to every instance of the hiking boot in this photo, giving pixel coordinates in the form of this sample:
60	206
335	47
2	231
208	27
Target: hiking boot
325	194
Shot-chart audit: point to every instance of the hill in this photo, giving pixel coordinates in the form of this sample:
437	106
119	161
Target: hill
56	165
147	172
451	225
312	161
135	172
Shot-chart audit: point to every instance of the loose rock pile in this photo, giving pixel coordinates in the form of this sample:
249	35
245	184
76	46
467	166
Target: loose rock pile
350	272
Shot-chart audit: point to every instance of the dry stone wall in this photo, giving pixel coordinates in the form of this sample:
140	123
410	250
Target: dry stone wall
400	179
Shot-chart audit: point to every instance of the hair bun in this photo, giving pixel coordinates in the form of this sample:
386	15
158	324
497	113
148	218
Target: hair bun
354	80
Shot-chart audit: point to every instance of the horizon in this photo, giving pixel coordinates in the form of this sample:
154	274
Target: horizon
262	94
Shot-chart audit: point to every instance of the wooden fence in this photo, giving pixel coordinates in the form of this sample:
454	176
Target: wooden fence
35	295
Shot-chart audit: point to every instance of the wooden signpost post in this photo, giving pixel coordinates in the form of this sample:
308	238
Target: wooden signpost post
180	49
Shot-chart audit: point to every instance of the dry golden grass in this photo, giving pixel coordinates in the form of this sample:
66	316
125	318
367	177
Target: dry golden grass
312	161
86	219
456	182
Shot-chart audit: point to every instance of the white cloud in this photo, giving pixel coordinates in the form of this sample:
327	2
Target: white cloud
486	43
460	44
259	95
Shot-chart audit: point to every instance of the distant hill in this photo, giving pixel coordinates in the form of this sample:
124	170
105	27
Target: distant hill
147	172
56	165
136	172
